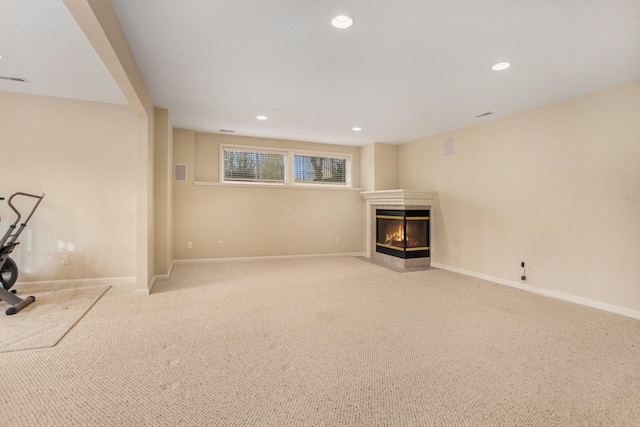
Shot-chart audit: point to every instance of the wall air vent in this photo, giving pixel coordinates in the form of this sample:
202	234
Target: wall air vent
179	172
227	131
14	79
488	113
448	146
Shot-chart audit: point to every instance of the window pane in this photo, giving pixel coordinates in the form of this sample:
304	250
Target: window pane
320	170
253	166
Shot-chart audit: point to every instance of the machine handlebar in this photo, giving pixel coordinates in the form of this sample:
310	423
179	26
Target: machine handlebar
32	210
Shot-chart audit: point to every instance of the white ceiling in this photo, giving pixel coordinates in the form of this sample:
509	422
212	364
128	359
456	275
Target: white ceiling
42	43
406	69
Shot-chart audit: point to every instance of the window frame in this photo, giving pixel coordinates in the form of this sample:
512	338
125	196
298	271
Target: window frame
253	150
330	155
289	166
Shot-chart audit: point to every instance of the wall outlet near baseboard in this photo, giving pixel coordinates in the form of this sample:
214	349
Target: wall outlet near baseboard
525	266
189	245
219	243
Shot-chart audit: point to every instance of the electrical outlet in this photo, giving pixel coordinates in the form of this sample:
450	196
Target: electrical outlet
337	240
189	245
219	243
64	259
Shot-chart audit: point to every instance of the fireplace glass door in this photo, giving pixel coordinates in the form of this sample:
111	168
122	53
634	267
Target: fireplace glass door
402	233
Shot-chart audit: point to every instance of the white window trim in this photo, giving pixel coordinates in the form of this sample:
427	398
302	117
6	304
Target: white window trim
249	149
289	166
347	157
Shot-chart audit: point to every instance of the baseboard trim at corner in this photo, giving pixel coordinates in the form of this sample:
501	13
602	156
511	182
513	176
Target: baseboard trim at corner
263	258
545	292
157	278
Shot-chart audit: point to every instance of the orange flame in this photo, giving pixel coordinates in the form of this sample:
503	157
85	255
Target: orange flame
398	236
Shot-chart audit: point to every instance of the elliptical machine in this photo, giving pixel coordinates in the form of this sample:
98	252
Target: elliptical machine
8	268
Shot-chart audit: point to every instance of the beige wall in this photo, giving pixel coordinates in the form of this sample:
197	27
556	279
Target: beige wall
99	22
557	186
379	167
82	155
163	192
386	166
367	167
258	221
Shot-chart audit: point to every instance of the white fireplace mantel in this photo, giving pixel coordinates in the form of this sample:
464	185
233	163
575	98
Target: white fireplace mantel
400	198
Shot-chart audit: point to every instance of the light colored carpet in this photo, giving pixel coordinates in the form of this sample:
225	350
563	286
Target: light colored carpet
44	322
329	342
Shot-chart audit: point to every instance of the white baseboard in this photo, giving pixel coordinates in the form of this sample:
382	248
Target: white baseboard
262	258
167	276
113	281
130	282
545	292
156	278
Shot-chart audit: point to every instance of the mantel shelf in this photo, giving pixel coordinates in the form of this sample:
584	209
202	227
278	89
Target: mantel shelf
399	197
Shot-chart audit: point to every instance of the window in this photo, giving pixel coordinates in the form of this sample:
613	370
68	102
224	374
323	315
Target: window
314	169
257	165
248	165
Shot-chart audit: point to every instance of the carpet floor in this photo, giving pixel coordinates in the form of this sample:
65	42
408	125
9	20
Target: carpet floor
47	320
329	342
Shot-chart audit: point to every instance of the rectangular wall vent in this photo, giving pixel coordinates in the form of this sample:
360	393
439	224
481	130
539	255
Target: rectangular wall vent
180	172
448	146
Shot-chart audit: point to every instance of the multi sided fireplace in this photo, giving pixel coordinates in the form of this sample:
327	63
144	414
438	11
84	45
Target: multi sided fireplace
402	233
386	244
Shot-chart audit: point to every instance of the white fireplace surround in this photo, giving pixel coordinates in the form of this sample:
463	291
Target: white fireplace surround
396	199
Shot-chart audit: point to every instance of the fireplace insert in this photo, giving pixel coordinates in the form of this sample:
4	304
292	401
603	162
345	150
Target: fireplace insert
402	233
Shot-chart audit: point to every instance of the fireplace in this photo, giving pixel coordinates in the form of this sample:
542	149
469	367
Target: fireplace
402	233
401	239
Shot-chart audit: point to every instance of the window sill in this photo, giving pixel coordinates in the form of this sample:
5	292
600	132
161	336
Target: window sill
282	186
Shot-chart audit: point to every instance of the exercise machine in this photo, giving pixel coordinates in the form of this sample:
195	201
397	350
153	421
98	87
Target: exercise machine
8	268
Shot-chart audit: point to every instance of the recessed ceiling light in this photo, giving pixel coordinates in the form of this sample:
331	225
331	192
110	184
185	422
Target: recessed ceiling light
261	117
501	66
357	129
342	21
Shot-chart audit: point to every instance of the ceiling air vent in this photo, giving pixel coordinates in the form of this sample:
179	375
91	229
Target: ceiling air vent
227	130
488	113
14	79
